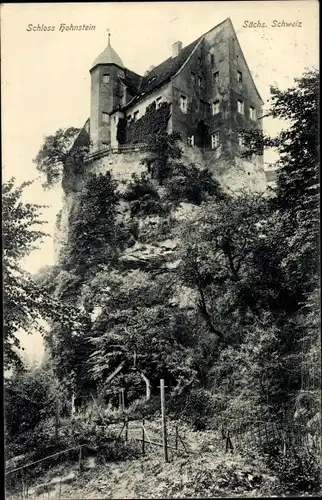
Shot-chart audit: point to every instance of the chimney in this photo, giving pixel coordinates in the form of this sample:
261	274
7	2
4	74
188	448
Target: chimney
176	49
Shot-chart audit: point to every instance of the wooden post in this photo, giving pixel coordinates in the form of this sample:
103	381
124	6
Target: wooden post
73	404
122	400
80	464
143	438
164	423
229	444
126	428
57	418
176	438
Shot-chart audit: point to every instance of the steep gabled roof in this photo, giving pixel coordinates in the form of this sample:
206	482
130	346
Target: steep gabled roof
250	73
132	80
164	71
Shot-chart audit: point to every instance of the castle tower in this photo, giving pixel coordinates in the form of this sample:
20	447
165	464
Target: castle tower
106	95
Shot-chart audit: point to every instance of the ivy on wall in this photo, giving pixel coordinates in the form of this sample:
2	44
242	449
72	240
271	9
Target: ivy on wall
154	121
121	131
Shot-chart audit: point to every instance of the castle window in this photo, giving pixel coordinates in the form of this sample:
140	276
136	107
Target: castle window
240	107
212	60
183	103
191	140
252	113
239	76
241	140
159	101
215	77
105	117
135	115
199	81
215	107
193	77
215	140
106	78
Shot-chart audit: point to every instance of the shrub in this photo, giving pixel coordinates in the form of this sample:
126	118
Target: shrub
142	408
195	407
298	470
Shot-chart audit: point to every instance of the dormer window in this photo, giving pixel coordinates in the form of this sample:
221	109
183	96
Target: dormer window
135	115
106	78
183	103
159	101
129	118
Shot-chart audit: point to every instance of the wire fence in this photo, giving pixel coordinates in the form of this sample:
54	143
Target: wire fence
236	435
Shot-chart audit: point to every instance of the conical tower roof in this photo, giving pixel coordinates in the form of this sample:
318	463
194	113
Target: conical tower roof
108	56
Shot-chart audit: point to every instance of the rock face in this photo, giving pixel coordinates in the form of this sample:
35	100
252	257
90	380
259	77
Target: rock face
232	176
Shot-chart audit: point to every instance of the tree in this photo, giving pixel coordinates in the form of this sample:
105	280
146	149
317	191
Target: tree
297	193
25	301
62	155
253	263
20	236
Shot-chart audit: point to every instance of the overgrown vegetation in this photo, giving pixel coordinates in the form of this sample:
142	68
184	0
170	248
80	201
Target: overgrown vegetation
154	121
215	293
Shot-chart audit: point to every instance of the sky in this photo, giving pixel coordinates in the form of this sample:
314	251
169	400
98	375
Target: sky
45	74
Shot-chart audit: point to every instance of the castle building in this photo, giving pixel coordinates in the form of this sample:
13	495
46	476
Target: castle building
210	97
207	83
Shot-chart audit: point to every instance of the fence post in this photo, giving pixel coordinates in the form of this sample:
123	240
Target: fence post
80	464
122	400
229	444
164	424
57	418
176	439
143	438
126	428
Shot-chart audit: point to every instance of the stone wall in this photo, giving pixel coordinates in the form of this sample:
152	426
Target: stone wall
122	165
232	175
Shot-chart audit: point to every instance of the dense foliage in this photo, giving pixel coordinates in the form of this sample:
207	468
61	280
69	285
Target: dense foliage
216	293
154	121
62	155
26	302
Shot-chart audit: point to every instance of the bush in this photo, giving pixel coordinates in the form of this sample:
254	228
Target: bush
30	398
196	407
298	470
142	408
